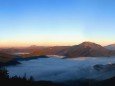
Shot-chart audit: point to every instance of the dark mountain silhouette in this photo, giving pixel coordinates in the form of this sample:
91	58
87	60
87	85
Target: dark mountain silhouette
30	58
5	57
7	60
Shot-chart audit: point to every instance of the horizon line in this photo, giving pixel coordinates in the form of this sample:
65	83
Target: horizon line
52	45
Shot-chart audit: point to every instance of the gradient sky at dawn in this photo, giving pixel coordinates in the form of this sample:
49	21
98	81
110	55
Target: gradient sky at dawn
56	22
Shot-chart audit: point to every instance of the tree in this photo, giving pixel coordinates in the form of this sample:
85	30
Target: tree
4	73
31	79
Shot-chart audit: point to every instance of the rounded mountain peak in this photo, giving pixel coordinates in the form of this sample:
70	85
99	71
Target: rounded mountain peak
89	44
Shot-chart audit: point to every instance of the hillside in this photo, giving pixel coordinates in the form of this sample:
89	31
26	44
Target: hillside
56	50
6	57
85	49
110	47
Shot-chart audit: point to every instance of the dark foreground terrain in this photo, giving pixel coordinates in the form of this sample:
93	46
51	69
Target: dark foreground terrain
14	81
5	80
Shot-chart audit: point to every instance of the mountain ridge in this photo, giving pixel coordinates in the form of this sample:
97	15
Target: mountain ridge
110	47
85	49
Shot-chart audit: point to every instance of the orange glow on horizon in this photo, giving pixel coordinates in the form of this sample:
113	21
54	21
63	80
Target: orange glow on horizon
9	45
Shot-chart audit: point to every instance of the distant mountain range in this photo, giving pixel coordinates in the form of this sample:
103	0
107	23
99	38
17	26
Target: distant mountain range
23	50
85	49
110	47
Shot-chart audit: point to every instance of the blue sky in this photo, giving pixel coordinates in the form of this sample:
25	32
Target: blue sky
56	22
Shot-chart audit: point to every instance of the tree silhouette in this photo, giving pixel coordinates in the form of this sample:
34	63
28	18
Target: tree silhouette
4	74
31	78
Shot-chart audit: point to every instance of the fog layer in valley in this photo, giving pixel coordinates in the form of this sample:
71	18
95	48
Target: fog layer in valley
61	70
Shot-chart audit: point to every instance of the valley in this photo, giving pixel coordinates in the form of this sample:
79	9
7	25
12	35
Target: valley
61	64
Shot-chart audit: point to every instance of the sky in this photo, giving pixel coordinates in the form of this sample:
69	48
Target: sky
56	22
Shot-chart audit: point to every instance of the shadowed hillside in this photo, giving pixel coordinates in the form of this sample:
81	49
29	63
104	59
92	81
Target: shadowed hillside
6	57
85	49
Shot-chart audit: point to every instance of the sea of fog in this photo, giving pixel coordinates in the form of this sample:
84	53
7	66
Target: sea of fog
61	70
